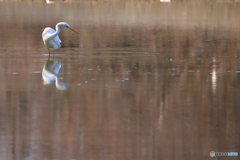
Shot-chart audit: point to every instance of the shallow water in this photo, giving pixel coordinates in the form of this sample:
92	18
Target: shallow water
142	80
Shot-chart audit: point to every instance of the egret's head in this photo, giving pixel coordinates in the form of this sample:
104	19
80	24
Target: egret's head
64	24
67	26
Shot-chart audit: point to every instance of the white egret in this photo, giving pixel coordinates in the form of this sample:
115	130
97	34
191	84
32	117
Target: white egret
50	36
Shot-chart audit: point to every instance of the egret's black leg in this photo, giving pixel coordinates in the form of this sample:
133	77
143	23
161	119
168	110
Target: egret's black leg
48	53
53	53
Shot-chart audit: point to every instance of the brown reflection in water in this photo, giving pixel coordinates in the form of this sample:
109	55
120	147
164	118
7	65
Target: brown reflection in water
158	85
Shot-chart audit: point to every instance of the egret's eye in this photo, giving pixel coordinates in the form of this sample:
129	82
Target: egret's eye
67	26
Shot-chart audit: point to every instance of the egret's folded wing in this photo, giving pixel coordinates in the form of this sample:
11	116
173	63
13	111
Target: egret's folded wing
47	33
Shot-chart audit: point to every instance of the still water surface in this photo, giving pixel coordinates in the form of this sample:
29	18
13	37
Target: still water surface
142	81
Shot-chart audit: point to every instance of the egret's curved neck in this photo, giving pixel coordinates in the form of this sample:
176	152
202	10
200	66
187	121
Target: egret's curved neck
57	29
55	33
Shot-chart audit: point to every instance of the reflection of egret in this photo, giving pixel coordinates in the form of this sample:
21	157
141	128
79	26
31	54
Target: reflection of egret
214	75
61	85
52	1
50	36
165	0
50	73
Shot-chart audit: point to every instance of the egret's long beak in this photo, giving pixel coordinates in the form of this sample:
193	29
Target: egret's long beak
73	30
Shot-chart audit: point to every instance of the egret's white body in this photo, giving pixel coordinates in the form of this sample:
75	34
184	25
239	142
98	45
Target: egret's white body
50	36
49	40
